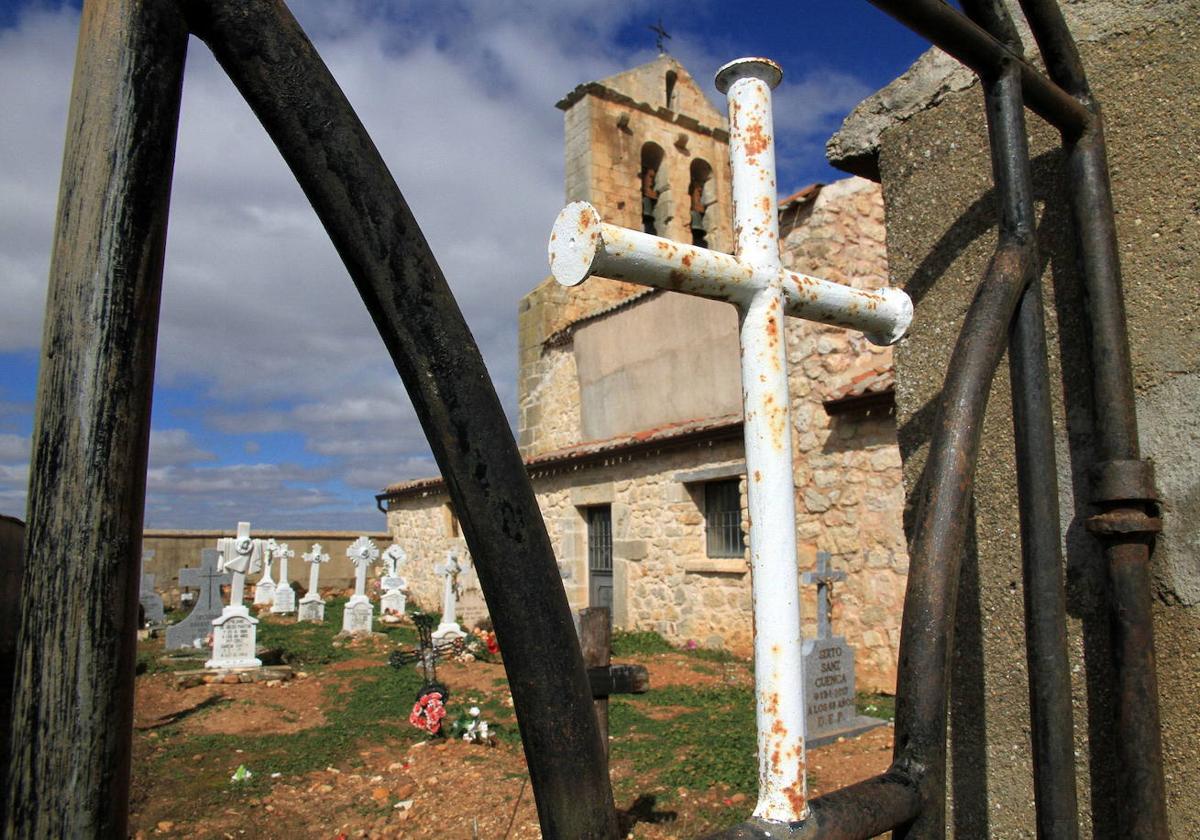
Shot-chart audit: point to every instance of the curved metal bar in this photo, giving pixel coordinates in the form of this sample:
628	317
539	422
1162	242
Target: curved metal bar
273	64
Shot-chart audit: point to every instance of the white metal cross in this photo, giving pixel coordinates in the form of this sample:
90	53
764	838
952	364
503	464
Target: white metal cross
754	280
362	553
314	558
242	556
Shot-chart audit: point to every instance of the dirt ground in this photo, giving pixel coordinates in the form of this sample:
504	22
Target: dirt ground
438	788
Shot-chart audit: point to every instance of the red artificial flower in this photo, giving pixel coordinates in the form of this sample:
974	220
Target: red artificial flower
492	645
428	712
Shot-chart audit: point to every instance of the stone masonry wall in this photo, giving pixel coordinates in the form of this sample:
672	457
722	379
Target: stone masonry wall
663	579
849	491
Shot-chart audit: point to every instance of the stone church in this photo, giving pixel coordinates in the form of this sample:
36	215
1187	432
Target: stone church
630	401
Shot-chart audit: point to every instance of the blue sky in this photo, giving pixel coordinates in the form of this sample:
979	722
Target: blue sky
275	401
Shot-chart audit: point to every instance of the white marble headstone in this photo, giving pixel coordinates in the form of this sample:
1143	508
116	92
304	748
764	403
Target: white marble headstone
312	608
234	641
285	597
358	617
264	590
359	611
449	628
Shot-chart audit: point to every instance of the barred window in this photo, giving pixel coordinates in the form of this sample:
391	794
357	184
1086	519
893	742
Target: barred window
723	519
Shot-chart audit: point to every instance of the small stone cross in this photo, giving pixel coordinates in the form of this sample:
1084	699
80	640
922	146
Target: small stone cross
392	558
268	555
208	579
754	280
824	577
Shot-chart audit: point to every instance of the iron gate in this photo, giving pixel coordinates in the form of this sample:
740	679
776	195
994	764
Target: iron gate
72	714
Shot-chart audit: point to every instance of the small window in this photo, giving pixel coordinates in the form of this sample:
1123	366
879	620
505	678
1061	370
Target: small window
723	518
672	77
452	521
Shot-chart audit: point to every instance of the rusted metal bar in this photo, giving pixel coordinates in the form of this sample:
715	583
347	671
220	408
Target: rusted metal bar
1123	483
927	628
855	812
72	722
969	43
275	67
1052	731
927	638
586	245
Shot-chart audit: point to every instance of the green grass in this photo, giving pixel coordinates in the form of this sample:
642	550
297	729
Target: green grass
371	703
633	642
876	705
709	742
308	644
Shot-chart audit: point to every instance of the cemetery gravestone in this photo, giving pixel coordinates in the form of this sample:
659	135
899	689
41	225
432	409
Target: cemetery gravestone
151	601
829	688
193	630
394	585
234	633
264	590
312	608
449	570
285	596
359	612
472	608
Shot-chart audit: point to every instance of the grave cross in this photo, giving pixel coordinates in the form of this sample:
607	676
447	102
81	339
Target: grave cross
362	552
242	556
754	280
314	558
268	555
824	577
208	579
449	571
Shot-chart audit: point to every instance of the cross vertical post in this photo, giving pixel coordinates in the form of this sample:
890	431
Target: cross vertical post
753	279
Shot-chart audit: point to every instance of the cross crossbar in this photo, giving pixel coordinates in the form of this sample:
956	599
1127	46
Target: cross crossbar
752	279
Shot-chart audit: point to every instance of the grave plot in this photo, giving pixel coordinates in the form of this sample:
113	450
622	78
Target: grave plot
332	751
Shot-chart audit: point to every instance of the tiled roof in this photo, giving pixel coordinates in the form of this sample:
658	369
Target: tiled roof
873	382
718	428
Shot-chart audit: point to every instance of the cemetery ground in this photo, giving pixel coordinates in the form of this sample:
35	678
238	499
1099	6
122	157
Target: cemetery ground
331	753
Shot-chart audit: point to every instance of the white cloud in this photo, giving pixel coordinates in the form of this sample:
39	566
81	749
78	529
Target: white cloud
259	318
170	447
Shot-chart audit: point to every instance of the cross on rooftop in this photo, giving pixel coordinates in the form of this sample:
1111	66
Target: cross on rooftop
824	577
754	280
661	35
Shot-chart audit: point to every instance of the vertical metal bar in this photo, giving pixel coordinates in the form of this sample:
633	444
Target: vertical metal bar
938	541
1037	475
273	64
1044	594
775	583
1123	486
73	698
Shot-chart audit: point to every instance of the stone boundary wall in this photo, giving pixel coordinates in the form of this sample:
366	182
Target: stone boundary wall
177	549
